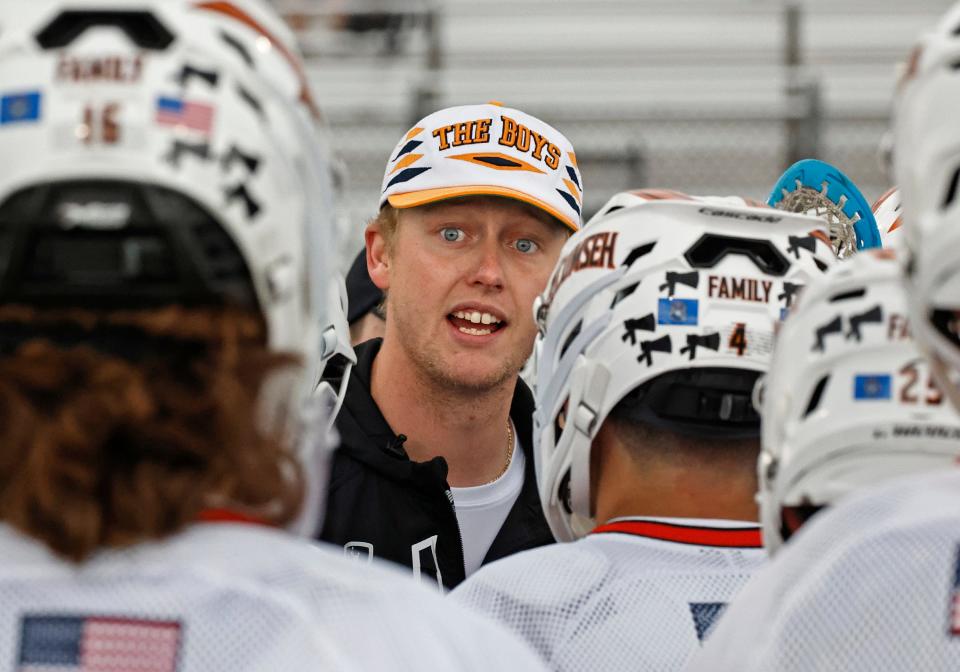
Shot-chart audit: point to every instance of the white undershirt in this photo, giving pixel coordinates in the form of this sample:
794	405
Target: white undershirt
482	509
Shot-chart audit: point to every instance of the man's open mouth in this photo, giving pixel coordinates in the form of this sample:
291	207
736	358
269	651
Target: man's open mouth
476	323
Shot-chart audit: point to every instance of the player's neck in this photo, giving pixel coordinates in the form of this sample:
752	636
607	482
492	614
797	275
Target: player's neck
467	428
673	490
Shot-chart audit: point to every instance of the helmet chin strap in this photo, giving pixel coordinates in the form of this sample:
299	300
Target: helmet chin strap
585	419
314	449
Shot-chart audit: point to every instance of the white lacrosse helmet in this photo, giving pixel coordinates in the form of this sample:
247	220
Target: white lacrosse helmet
625	199
246	32
848	401
682	295
147	190
889	216
926	157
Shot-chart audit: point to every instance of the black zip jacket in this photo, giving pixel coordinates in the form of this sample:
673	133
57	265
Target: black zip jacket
384	504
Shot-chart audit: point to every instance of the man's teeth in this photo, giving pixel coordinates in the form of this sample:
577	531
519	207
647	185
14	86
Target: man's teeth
475	332
477	318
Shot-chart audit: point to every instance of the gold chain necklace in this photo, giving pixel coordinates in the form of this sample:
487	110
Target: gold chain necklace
506	464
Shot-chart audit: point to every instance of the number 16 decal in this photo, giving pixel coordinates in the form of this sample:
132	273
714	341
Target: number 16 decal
100	124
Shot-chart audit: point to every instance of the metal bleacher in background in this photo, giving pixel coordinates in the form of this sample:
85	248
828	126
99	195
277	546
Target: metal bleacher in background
704	96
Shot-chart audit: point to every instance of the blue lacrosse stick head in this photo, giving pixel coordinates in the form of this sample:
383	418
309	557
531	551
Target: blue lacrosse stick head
814	174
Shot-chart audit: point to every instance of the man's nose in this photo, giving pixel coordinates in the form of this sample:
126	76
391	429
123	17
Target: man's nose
488	265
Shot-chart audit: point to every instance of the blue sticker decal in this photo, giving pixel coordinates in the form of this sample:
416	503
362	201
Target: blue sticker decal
20	107
678	311
872	386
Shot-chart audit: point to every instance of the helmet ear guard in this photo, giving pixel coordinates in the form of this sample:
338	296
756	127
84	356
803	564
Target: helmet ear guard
586	421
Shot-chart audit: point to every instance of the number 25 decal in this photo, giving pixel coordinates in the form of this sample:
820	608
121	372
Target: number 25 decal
910	374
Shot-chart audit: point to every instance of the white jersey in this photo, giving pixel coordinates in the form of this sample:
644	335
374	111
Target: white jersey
228	596
871	585
636	594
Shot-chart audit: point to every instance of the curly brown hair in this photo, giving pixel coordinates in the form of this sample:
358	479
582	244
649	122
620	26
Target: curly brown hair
106	450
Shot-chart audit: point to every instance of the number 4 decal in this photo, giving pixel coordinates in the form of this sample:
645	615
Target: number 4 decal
738	338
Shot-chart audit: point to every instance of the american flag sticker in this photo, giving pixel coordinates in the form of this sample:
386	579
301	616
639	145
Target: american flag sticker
954	625
180	112
97	644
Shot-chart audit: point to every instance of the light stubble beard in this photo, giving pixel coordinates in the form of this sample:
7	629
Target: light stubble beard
427	358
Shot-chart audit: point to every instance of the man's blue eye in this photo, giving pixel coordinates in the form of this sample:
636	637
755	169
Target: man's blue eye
452	235
526	246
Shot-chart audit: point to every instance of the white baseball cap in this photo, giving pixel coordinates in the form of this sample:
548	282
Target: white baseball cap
485	150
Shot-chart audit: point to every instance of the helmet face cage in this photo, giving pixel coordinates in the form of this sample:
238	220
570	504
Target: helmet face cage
927	169
848	400
627	304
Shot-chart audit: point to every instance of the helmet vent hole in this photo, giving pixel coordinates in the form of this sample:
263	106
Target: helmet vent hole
846	296
141	28
624	293
613	208
563	493
711	249
816	396
573	334
952	189
638	252
237	46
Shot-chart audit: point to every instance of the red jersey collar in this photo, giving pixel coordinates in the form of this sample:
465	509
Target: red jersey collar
697	535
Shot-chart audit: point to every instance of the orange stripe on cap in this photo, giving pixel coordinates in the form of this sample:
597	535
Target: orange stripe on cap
733	537
234	12
413	132
573	189
573	159
412	199
406	161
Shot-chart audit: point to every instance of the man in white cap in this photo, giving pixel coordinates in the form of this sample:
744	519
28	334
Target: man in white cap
435	469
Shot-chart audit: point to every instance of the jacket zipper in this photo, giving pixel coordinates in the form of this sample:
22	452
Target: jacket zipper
456	522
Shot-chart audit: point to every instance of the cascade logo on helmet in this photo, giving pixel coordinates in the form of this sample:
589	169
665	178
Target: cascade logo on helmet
744	216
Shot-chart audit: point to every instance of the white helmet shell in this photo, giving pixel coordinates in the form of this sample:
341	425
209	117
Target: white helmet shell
657	287
926	159
181	121
848	401
889	215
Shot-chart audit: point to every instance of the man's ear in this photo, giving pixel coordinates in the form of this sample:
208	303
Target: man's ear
378	259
